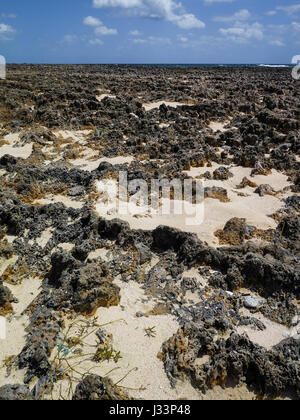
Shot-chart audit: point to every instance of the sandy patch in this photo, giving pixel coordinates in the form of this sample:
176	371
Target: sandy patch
164	125
10	238
105	95
255	209
240	393
218	126
142	217
65	246
14	149
4	264
15	328
155	105
90	165
190	296
214	214
146	376
43	239
78	136
52	199
270	337
103	254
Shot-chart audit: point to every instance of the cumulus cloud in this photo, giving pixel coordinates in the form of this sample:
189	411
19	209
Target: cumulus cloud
296	26
183	39
103	30
8	15
96	41
7	32
218	1
153	40
92	21
135	33
100	28
69	39
243	14
117	3
242	32
168	10
277	43
290	10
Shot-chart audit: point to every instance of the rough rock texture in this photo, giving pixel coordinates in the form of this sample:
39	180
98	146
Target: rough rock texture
95	388
6	300
15	393
233	361
234	232
49	225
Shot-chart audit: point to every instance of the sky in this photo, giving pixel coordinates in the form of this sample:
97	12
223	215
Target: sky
150	31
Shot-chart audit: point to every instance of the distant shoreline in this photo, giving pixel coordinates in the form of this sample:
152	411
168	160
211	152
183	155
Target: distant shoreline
175	65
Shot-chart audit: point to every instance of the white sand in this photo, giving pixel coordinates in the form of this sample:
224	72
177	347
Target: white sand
276	179
91	165
15	327
105	95
52	199
190	297
240	393
154	105
66	246
139	352
43	239
13	149
104	254
4	263
78	136
255	209
218	126
268	338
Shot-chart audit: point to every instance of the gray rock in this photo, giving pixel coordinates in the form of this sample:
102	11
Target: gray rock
74	192
296	337
251	302
15	393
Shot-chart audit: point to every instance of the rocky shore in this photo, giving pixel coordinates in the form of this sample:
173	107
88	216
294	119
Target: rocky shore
107	306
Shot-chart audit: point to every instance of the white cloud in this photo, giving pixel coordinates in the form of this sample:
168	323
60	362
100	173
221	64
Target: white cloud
96	41
153	40
103	30
183	39
168	10
100	29
243	32
7	32
218	1
69	39
8	15
271	13
290	10
243	14
277	43
187	21
296	26
135	33
117	3
92	21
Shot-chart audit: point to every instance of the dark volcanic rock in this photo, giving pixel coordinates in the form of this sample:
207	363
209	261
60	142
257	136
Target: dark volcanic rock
234	232
15	393
235	360
95	388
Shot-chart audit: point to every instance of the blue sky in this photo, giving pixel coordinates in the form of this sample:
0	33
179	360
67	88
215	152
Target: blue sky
149	31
